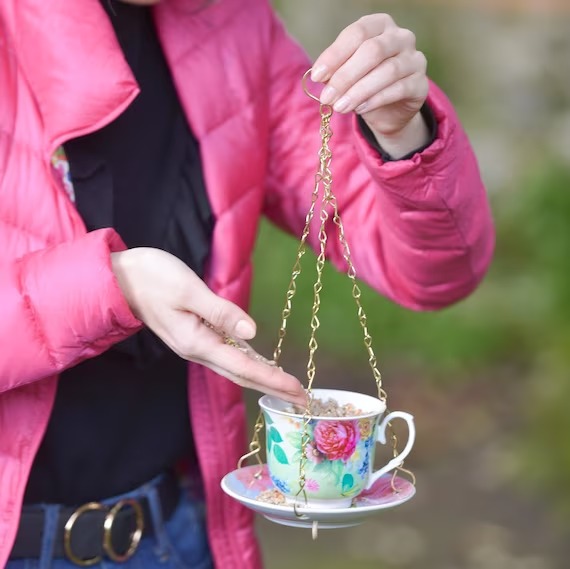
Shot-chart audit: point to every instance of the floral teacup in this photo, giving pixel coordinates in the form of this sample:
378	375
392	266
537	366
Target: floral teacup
340	451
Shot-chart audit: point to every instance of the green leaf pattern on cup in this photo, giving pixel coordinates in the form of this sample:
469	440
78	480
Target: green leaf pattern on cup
275	435
280	454
347	484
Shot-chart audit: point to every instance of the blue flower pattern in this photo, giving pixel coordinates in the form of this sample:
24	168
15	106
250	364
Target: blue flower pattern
363	470
281	485
365	466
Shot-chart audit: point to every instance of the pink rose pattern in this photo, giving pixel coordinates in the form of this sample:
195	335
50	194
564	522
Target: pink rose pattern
337	439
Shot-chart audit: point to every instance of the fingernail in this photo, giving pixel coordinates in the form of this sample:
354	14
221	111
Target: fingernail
361	108
245	330
318	73
342	104
328	95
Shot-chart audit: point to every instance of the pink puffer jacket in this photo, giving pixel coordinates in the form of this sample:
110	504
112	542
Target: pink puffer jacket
425	221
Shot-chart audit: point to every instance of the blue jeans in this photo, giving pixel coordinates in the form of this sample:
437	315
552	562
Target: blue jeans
179	543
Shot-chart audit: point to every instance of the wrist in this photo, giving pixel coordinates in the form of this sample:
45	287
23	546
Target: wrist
415	134
121	264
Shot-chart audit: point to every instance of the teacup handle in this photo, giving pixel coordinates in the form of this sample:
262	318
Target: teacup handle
381	438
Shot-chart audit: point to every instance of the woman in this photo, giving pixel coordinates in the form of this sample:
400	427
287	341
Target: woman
138	149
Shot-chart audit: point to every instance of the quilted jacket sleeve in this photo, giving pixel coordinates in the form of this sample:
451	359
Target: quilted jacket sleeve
420	230
60	305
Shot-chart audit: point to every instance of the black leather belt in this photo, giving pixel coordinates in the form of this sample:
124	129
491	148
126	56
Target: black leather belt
86	534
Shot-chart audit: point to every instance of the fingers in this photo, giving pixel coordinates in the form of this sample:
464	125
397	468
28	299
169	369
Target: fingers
347	42
194	322
195	341
362	91
413	87
267	379
372	64
371	54
249	369
220	313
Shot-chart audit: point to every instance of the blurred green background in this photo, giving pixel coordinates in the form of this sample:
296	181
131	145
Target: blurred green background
488	379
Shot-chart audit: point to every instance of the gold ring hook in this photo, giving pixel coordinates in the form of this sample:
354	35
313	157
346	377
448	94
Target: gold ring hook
307	92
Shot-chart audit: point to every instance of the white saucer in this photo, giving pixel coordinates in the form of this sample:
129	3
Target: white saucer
242	485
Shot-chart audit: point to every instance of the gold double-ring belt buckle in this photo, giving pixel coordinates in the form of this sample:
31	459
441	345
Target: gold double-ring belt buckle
135	536
91	506
107	532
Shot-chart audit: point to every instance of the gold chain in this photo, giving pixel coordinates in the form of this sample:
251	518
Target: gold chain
254	445
297	267
323	179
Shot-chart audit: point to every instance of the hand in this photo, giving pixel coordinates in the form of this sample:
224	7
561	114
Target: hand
374	69
195	323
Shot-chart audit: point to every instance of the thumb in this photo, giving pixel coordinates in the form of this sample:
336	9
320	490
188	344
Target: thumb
221	313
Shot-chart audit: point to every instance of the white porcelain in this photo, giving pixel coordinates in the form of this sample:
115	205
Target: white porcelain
243	485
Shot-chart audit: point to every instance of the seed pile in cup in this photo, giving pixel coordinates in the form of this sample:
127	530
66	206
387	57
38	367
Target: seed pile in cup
328	408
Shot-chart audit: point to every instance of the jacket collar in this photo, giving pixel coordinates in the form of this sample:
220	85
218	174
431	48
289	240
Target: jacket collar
71	59
79	78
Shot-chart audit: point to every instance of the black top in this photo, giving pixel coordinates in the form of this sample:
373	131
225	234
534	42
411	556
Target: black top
122	418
